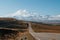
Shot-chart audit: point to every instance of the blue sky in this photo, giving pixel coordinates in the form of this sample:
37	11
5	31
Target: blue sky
42	7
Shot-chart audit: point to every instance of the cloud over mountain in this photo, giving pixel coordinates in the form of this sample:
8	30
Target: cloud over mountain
22	13
26	15
56	17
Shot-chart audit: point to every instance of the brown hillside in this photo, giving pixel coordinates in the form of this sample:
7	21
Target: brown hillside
46	28
8	30
10	19
11	23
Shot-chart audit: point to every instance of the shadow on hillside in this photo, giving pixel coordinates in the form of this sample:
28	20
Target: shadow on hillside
8	34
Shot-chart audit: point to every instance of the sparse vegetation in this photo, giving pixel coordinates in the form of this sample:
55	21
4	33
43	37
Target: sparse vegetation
18	24
9	34
38	27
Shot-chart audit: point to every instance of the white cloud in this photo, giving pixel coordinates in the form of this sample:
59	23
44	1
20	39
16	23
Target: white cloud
56	17
34	16
23	13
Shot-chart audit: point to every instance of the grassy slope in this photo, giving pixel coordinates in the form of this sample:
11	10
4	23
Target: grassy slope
45	28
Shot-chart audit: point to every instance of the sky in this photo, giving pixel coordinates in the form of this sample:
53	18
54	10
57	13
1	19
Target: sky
30	8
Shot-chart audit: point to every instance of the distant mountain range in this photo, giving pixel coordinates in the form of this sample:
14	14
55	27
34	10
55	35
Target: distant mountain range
30	19
34	19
